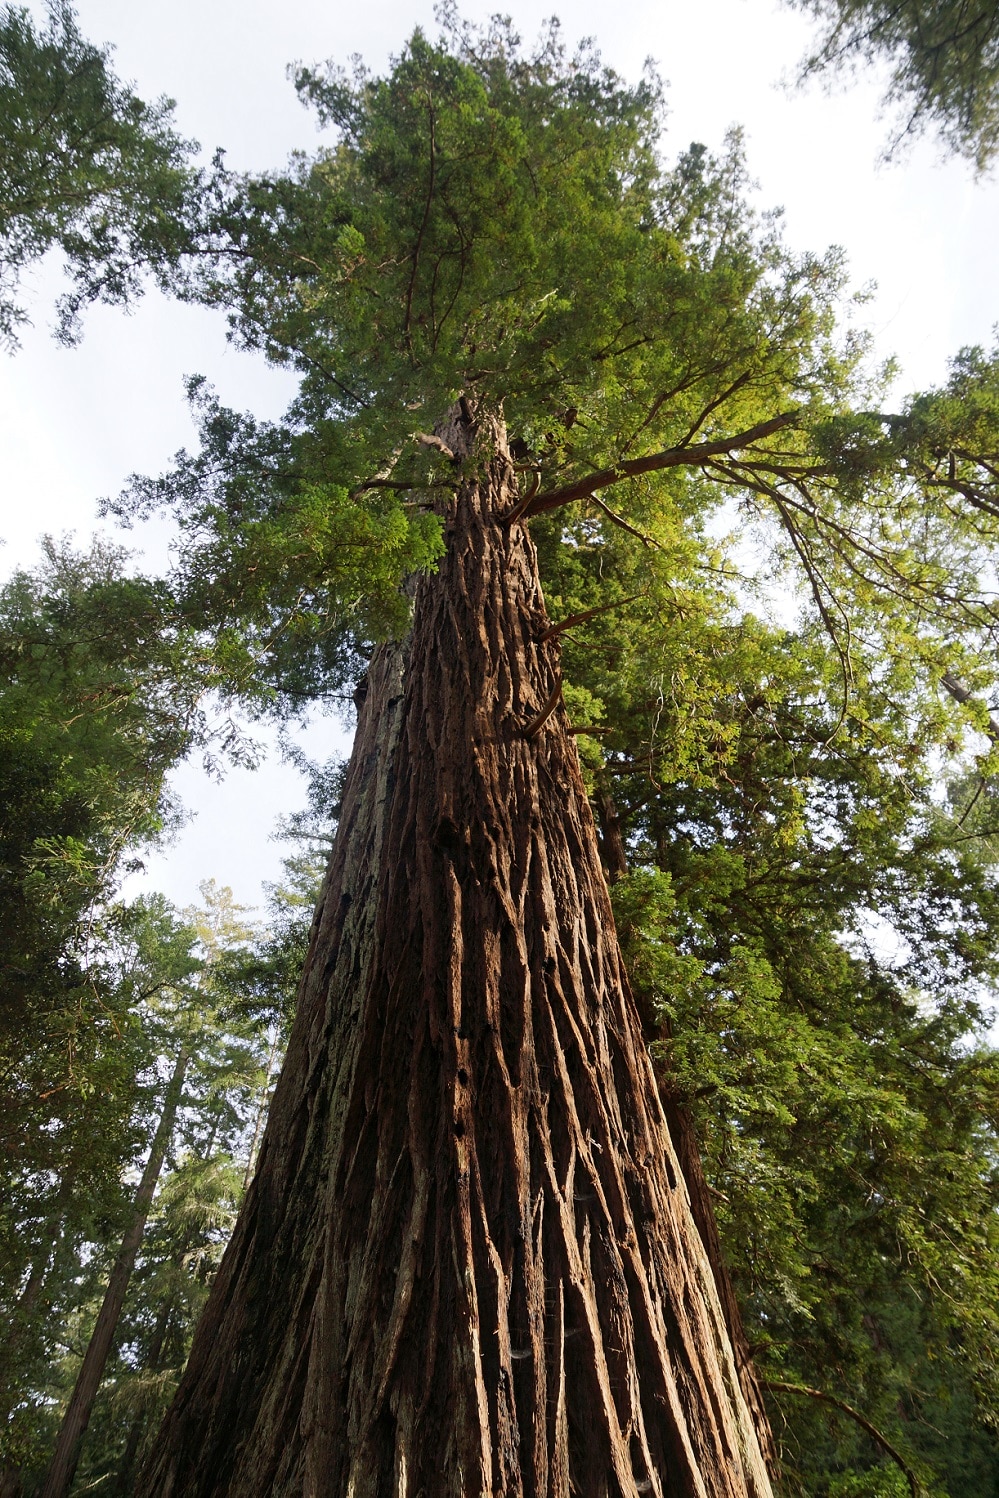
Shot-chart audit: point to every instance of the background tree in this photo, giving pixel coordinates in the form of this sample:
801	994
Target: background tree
202	1070
944	60
66	1198
243	1007
847	1120
76	1418
99	701
102	695
86	166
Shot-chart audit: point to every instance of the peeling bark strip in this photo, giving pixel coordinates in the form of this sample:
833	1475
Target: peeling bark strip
467	1263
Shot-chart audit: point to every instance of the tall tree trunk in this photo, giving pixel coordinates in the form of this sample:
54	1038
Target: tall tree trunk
615	854
467	1263
151	1364
262	1104
74	1423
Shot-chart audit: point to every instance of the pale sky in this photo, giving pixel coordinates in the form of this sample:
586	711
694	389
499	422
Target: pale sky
74	424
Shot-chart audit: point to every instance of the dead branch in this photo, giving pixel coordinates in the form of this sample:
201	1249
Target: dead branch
430	439
961	692
521	506
620	520
536	724
778	1386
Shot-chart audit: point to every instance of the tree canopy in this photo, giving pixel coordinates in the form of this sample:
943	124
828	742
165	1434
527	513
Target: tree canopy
797	801
944	60
85	165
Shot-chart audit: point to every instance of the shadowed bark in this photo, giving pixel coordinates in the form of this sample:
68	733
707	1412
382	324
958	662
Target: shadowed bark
467	1262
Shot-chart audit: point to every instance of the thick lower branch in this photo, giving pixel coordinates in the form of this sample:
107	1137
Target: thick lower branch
687	456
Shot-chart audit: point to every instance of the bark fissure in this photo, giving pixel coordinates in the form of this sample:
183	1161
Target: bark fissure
467	1263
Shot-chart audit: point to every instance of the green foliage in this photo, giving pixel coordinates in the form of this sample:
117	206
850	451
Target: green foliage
93	713
877	1482
241	1029
91	719
194	1215
944	58
103	694
810	920
811	933
497	226
164	981
86	166
812	941
99	701
492	224
66	1155
286	576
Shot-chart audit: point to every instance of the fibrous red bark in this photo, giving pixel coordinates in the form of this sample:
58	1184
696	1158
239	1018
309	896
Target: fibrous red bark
467	1262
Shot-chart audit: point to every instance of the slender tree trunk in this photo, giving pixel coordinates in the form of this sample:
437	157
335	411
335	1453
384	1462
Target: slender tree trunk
615	854
265	1097
467	1263
74	1424
28	1298
123	1479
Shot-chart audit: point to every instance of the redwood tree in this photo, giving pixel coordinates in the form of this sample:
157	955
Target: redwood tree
468	1261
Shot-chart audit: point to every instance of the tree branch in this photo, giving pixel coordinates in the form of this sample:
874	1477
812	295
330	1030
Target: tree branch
961	692
673	457
521	506
557	629
620	520
712	406
536	724
778	1386
429	439
403	484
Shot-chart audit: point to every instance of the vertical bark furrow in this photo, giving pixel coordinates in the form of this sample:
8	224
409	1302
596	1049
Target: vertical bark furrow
467	1263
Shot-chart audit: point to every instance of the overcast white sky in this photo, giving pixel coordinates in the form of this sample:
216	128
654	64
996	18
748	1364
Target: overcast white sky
74	424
